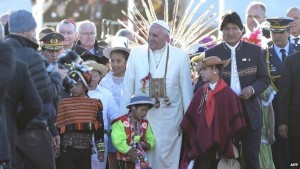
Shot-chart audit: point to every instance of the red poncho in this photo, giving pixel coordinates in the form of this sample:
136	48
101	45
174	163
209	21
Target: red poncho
227	120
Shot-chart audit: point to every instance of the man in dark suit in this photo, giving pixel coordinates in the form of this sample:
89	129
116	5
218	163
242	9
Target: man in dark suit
294	12
67	28
288	106
247	76
87	37
275	56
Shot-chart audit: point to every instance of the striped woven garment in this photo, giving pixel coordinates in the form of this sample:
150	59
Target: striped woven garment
78	114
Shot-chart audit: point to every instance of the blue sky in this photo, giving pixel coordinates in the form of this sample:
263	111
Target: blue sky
274	7
6	5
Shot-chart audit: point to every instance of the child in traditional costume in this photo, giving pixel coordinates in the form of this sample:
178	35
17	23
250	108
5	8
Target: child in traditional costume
79	120
267	133
118	54
213	120
132	135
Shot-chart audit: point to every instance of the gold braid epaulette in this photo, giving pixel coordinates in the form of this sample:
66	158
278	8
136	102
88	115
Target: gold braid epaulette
269	70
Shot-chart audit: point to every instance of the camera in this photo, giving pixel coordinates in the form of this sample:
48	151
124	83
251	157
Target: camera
64	61
69	57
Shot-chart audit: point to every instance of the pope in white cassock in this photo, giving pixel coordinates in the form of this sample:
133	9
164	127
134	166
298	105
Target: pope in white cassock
159	59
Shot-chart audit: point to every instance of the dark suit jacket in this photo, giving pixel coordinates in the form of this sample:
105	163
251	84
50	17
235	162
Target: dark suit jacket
78	49
296	47
252	72
289	94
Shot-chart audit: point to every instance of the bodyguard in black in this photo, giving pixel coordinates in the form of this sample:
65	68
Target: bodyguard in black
247	76
289	105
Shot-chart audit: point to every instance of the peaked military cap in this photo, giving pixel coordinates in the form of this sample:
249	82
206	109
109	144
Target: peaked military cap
279	24
52	41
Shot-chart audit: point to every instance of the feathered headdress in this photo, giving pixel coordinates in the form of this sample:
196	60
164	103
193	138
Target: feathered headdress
184	33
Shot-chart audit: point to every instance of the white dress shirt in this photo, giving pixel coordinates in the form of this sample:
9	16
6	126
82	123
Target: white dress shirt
212	86
235	80
293	41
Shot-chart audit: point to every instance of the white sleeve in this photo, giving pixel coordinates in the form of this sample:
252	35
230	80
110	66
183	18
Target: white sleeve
185	81
113	110
129	82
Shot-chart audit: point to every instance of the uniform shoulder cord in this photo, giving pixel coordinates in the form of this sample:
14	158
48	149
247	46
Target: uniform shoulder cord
269	70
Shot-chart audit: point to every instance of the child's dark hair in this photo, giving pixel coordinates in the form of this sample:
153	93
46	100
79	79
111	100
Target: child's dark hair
220	68
139	105
124	53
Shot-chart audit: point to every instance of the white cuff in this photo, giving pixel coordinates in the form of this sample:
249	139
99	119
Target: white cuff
253	91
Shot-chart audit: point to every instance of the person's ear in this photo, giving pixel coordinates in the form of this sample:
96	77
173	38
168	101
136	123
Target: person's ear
167	37
243	30
133	107
76	36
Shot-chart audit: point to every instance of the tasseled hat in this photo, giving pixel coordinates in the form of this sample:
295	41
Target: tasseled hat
81	73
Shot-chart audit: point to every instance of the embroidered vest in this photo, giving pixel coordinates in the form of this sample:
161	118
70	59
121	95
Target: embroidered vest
128	130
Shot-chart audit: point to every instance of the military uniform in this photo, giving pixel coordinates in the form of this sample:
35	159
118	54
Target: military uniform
275	62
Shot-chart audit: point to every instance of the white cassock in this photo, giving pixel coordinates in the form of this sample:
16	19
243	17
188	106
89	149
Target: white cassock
164	120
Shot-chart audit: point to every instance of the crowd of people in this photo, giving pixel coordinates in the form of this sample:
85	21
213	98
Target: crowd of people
70	101
97	11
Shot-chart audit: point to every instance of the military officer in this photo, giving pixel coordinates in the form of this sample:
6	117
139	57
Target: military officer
52	46
275	57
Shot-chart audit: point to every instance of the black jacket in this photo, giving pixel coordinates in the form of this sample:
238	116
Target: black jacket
7	58
78	49
23	102
98	49
289	95
48	86
26	50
